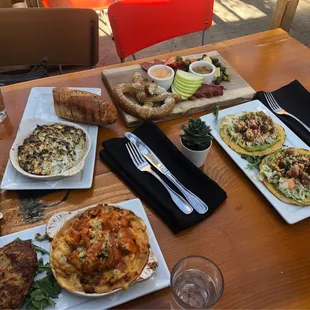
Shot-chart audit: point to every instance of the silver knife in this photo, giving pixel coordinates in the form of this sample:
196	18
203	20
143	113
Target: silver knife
195	201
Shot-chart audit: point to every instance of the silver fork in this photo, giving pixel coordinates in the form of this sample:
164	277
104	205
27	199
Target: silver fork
277	109
140	162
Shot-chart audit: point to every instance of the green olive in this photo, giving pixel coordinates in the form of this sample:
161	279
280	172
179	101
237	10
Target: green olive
218	81
214	60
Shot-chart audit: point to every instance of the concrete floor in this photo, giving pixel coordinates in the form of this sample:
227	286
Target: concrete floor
232	18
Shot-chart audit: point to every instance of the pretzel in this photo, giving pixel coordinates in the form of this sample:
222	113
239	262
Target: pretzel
146	94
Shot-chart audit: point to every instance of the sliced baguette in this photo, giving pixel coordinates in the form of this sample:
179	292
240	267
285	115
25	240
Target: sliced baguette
82	106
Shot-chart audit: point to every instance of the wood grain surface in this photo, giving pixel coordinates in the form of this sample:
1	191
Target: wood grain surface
236	91
265	262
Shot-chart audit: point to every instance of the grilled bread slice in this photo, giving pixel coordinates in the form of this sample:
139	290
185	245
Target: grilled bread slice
82	106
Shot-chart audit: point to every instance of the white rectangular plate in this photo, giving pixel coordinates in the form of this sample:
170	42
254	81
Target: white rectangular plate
65	300
40	105
291	213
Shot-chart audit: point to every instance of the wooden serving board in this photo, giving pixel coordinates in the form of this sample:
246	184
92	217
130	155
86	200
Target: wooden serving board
236	91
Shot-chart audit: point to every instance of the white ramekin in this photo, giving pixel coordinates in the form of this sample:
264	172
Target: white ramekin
164	82
208	77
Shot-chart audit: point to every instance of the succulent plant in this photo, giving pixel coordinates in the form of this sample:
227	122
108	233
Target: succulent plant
197	136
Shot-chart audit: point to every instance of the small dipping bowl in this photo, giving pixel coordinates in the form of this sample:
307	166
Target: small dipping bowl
162	75
208	76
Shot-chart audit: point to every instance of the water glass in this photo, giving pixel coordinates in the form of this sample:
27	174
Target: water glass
196	283
3	113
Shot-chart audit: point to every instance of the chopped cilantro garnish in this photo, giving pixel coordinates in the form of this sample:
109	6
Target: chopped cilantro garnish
215	111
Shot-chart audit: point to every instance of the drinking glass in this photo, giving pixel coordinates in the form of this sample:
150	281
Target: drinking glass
196	283
3	113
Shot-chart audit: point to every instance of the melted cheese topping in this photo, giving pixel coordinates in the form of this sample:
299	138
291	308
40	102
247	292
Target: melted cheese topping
52	149
103	249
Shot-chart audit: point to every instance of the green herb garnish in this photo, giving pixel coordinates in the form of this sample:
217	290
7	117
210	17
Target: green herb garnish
41	250
40	294
43	267
43	237
254	161
288	166
215	111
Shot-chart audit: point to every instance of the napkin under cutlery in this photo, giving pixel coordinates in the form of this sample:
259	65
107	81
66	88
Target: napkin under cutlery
295	99
116	156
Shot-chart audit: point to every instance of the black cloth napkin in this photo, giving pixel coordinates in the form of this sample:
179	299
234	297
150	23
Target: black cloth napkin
150	190
295	99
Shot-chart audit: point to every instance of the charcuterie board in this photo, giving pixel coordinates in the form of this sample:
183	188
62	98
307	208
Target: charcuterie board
236	91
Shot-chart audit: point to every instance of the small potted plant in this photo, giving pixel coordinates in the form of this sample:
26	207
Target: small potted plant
196	141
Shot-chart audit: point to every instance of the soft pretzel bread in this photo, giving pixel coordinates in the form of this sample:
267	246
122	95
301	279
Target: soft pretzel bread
144	97
146	93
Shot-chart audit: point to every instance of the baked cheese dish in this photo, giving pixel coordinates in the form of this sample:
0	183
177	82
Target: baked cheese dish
100	250
52	149
252	133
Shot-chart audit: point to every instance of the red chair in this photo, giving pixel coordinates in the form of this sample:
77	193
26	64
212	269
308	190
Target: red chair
137	24
98	5
84	4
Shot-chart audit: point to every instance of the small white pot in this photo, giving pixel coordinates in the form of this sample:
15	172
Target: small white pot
196	157
208	78
163	82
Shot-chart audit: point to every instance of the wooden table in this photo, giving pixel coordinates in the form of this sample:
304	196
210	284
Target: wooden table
265	262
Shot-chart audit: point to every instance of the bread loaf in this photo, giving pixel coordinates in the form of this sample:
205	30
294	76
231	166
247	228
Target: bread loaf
82	106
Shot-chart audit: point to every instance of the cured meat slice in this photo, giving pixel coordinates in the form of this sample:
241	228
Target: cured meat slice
147	65
208	91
